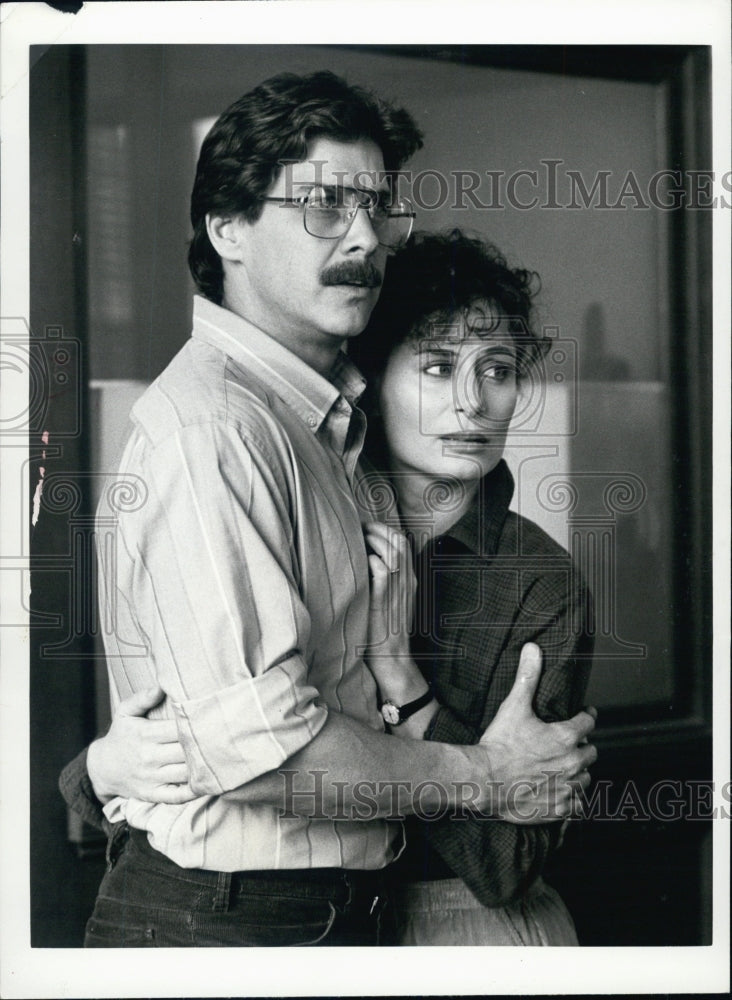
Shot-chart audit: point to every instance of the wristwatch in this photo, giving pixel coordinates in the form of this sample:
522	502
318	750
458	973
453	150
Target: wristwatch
396	714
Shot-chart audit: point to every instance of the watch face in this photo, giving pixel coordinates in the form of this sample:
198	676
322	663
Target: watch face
390	713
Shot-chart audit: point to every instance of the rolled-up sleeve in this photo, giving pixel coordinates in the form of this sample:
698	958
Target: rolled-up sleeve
207	574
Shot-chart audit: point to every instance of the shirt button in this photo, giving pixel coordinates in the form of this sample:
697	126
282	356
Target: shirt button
312	420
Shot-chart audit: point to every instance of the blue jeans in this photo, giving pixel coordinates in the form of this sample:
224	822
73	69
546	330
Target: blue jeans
147	901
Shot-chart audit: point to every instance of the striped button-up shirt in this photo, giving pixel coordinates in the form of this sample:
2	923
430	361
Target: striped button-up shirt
237	579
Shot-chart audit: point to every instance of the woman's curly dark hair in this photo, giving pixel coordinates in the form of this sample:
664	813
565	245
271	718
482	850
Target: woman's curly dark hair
434	279
243	153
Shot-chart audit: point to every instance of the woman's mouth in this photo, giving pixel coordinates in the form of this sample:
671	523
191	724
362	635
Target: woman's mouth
466	442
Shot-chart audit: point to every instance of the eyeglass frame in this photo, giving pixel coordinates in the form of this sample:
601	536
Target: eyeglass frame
367	200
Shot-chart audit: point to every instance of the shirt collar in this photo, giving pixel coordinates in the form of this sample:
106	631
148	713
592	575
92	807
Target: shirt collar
308	393
479	529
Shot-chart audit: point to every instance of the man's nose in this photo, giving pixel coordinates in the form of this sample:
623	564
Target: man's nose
360	235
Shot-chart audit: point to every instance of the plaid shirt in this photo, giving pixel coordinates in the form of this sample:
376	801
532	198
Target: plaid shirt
494	582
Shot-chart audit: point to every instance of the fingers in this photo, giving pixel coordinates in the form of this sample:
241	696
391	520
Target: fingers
582	781
393	583
173	795
165	731
527	678
378	569
173	774
153	733
140	703
570	766
167	755
578	802
565	798
390	545
580	726
587	755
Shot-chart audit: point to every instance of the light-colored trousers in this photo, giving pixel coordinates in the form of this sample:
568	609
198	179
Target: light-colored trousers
445	912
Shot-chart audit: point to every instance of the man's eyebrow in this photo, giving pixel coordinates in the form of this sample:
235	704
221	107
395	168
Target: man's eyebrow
380	192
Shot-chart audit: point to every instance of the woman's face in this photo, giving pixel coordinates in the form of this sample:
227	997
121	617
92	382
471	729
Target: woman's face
447	400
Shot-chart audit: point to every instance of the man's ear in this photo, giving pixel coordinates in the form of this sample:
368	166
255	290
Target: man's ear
225	233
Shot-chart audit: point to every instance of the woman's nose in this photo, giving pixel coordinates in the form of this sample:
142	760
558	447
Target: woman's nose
469	398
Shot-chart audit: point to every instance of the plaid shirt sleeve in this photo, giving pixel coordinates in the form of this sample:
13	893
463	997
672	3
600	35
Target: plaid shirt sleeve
76	788
498	860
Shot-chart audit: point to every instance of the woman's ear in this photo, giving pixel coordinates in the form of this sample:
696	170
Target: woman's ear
225	234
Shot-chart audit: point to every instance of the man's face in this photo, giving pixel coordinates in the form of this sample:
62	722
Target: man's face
302	290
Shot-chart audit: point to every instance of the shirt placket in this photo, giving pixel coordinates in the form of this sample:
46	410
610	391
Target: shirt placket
344	430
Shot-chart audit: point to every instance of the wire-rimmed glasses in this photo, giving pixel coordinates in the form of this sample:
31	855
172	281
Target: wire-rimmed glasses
329	211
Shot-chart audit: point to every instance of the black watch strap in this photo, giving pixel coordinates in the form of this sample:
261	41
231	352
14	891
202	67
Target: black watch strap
396	714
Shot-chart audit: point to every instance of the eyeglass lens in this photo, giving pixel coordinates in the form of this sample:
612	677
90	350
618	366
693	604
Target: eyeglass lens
330	212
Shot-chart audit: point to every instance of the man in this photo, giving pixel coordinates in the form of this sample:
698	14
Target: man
240	583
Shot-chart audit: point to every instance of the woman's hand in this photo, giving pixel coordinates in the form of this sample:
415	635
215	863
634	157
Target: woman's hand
140	758
393	587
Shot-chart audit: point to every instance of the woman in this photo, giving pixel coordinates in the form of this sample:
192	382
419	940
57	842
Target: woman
446	353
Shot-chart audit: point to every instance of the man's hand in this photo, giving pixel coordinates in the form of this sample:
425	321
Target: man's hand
140	758
537	767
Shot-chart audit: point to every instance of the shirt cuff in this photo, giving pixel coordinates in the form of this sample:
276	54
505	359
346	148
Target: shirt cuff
236	734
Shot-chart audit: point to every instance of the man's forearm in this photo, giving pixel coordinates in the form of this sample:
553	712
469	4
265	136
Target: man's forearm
352	771
523	770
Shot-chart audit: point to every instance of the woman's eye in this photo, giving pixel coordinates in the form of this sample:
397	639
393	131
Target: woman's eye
497	372
439	369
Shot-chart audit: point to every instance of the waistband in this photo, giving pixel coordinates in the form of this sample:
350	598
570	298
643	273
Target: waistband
313	883
449	893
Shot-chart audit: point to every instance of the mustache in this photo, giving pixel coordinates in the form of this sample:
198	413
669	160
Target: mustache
351	272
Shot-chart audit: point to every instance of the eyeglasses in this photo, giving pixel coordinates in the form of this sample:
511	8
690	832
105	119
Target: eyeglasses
328	213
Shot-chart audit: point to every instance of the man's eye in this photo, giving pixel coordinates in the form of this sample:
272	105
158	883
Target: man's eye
383	206
324	198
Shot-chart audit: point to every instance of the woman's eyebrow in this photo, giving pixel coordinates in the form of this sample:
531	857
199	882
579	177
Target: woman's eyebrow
488	348
438	349
484	326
